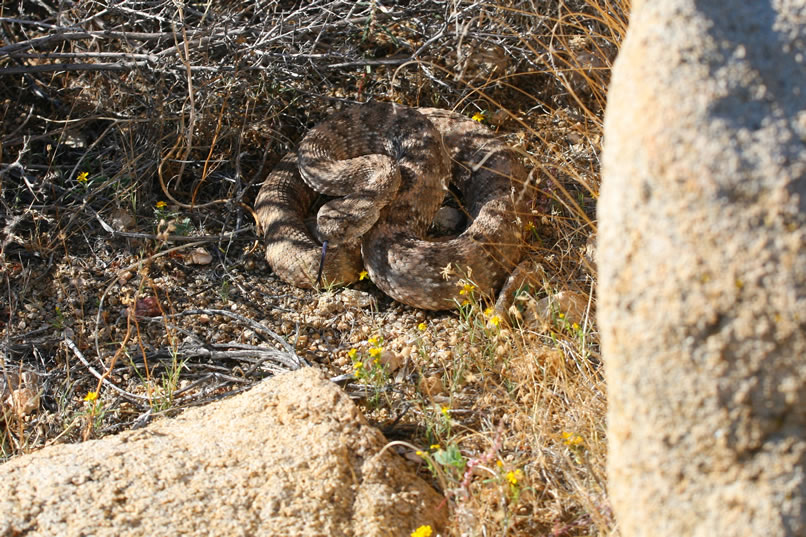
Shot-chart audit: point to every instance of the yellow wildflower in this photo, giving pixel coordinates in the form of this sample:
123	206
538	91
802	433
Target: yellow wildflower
445	411
375	351
571	439
362	275
421	327
161	205
82	177
373	341
499	463
358	365
575	327
91	396
467	289
514	477
422	531
435	446
478	116
351	353
495	320
419	453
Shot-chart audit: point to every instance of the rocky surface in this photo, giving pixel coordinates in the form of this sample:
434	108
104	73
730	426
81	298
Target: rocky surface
292	456
703	270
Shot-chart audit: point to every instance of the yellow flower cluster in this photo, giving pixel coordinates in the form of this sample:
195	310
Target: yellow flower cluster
467	289
495	320
571	439
374	352
432	447
514	477
422	531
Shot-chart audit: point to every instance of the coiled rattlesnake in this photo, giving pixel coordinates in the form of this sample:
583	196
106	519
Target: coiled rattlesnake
392	166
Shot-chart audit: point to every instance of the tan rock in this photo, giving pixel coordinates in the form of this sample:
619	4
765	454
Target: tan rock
432	386
292	456
19	392
200	256
702	259
344	300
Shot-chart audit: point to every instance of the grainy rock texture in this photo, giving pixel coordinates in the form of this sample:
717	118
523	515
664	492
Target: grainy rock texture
702	262
292	456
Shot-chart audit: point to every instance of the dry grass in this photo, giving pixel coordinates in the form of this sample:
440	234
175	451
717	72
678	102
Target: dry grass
192	105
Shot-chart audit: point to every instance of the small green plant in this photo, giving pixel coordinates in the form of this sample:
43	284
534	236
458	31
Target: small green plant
169	382
481	324
513	479
575	444
531	230
438	422
421	347
570	329
94	411
58	322
468	305
452	458
561	320
89	182
167	221
369	369
511	483
223	290
447	465
161	211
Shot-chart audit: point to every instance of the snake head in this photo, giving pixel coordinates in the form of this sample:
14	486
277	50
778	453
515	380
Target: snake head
345	220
